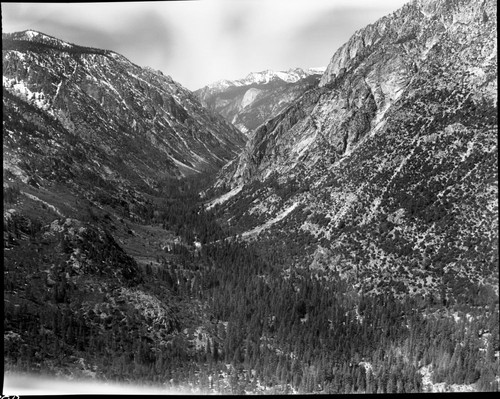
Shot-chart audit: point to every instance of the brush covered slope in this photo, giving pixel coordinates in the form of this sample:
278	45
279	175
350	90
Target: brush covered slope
247	103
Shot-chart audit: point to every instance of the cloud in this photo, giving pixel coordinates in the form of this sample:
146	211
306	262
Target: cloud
198	42
323	35
138	33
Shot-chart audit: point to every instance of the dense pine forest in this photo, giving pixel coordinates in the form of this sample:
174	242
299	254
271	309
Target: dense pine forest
234	316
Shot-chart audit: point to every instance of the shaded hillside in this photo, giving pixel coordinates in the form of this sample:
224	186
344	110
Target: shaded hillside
102	165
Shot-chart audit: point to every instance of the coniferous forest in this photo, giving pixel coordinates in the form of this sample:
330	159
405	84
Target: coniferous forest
262	324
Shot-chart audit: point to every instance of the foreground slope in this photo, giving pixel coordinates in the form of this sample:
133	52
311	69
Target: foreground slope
386	174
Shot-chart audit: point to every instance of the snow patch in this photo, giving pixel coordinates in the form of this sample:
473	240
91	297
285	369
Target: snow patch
20	89
269	223
429	386
249	97
31	34
224	197
291	76
34	198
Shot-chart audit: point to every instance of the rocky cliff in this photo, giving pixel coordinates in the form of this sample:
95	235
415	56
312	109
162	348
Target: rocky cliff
387	172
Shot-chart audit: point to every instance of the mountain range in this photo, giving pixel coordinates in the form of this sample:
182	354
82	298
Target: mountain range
107	101
249	102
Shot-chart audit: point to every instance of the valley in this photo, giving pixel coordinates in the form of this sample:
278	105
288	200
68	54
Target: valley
320	231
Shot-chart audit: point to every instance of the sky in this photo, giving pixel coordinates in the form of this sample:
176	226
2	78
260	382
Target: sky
201	41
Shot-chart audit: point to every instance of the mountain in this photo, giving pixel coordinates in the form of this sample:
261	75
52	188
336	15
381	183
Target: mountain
87	126
290	76
102	163
381	186
249	102
352	247
100	99
387	172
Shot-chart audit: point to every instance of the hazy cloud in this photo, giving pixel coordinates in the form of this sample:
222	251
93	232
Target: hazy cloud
198	42
140	35
326	33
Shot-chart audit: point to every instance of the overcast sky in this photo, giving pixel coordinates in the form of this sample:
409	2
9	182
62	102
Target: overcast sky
199	42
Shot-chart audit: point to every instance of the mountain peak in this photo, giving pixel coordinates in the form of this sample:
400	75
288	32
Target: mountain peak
291	75
38	41
36	37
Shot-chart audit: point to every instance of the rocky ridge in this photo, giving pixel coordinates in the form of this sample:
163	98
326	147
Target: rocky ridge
292	75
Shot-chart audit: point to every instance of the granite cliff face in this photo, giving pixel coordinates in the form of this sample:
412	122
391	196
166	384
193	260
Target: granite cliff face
387	172
249	102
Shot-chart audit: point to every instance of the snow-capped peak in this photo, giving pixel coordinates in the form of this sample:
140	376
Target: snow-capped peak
30	34
292	75
317	70
35	36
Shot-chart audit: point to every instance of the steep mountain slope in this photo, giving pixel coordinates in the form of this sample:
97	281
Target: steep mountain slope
101	99
85	129
249	102
386	174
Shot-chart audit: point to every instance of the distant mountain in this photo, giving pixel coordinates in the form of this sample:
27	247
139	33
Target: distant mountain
387	172
290	76
249	102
